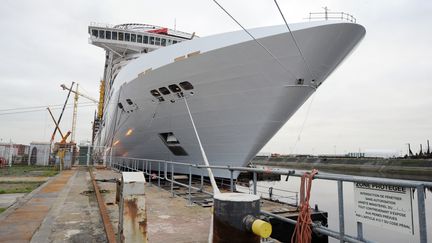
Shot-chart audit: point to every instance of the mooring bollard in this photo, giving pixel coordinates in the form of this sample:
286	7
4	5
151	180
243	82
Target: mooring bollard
132	209
235	219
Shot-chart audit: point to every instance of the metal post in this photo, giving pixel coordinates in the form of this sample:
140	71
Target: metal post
341	211
159	174
360	230
255	183
111	155
202	180
422	213
190	186
149	175
232	180
172	180
88	155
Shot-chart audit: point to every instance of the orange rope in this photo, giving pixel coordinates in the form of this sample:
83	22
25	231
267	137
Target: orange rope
303	231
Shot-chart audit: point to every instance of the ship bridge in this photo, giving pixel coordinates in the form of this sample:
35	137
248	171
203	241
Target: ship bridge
126	42
134	38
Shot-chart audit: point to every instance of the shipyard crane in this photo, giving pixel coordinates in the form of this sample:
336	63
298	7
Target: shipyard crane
75	107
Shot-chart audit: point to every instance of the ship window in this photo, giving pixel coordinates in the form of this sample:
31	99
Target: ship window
127	37
101	34
164	91
174	41
120	36
120	105
108	35
169	42
157	41
186	85
174	88
133	37
155	93
114	35
300	81
145	39
160	98
163	42
139	38
94	33
129	101
151	40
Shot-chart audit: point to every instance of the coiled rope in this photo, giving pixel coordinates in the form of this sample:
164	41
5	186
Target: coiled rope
303	231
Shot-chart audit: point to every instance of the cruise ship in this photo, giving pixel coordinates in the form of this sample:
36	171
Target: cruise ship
240	90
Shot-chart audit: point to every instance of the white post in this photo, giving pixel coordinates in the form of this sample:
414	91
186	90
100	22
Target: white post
132	226
10	152
88	155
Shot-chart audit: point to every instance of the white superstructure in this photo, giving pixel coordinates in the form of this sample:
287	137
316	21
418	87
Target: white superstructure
240	94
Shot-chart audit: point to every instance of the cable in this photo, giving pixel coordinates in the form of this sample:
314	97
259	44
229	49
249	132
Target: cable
303	124
41	109
203	153
295	41
259	43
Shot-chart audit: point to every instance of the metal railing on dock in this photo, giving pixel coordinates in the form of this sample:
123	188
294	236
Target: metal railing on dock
163	168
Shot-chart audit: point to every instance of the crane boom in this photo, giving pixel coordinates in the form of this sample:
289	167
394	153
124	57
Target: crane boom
61	114
79	93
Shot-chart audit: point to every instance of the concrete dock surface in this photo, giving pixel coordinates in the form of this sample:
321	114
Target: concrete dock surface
55	212
65	209
169	219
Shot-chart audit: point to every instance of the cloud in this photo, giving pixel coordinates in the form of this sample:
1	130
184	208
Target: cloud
378	98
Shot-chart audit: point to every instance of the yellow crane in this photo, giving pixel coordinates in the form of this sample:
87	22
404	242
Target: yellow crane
75	107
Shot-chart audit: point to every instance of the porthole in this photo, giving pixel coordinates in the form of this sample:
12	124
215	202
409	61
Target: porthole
129	101
186	85
174	88
164	91
120	105
155	93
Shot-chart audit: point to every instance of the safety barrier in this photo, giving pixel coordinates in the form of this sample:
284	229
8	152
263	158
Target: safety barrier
162	167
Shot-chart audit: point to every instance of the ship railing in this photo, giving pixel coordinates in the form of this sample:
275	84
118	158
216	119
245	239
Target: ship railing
332	16
123	27
147	166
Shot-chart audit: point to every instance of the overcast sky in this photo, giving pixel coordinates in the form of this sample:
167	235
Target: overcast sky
380	98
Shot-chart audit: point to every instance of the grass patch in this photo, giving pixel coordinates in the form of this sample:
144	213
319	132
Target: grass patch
25	170
2	210
18	187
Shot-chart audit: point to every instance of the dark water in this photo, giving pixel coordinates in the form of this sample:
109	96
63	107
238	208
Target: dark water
324	194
